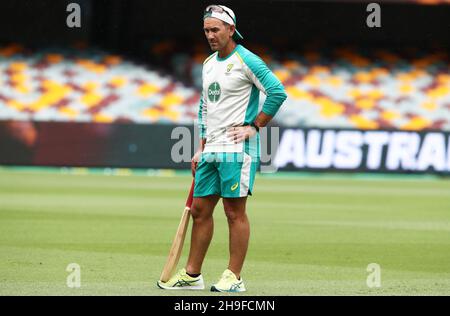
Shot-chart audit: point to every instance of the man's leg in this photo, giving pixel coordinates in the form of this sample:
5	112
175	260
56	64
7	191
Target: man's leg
202	231
239	232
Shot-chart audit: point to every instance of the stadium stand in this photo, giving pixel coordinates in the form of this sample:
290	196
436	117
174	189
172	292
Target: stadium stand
367	91
351	87
88	85
347	87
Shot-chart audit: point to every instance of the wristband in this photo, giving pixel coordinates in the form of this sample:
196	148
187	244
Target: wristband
254	125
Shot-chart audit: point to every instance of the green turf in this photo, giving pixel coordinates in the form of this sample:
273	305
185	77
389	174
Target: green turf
310	236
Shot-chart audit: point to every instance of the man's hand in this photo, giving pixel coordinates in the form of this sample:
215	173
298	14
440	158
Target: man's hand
240	133
194	161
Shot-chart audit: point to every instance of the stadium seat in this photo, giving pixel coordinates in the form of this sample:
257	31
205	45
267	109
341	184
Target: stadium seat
343	87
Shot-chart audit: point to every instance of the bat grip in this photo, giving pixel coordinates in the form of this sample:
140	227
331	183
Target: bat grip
191	195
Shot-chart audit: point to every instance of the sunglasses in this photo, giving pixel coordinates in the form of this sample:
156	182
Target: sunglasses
218	9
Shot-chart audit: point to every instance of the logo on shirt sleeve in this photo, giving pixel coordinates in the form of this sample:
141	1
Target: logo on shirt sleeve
214	92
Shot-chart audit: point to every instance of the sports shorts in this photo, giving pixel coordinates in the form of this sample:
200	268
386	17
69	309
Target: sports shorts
229	175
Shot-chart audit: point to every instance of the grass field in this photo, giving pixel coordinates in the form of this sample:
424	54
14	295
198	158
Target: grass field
310	235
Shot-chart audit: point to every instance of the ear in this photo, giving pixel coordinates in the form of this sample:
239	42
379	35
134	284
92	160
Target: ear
232	29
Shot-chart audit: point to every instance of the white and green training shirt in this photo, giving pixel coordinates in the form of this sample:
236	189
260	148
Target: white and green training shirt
230	97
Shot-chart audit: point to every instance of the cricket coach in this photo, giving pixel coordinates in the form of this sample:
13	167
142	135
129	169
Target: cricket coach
228	157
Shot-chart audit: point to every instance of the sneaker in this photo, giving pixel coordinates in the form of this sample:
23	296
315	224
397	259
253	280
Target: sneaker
182	281
229	283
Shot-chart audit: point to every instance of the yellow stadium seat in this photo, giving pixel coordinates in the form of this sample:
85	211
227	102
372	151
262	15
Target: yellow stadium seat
416	123
147	89
363	123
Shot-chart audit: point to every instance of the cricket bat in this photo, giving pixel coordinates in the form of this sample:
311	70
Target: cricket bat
178	241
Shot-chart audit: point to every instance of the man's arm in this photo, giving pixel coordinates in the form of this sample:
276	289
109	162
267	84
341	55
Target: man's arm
201	145
202	127
268	83
262	119
196	158
202	112
239	134
264	79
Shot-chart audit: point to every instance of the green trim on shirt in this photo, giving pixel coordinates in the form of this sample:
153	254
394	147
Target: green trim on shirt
209	58
274	89
201	125
252	107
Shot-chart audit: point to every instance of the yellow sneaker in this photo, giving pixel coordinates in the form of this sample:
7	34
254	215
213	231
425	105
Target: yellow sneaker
182	281
229	283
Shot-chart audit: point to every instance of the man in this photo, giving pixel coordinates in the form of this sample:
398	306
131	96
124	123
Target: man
228	157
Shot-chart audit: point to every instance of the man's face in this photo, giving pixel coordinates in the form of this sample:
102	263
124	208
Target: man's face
217	33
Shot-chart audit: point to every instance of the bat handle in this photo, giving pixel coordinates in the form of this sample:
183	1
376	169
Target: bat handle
191	195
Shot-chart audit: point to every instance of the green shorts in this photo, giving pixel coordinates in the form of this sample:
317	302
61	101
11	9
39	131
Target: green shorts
228	175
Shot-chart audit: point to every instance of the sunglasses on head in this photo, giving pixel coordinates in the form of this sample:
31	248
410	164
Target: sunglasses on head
216	8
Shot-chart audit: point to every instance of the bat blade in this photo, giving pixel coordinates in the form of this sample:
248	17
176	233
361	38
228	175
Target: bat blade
177	247
178	241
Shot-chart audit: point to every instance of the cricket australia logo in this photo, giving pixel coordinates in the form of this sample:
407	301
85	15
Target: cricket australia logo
214	92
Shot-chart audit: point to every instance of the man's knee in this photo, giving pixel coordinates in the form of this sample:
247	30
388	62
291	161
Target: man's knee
200	212
234	214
